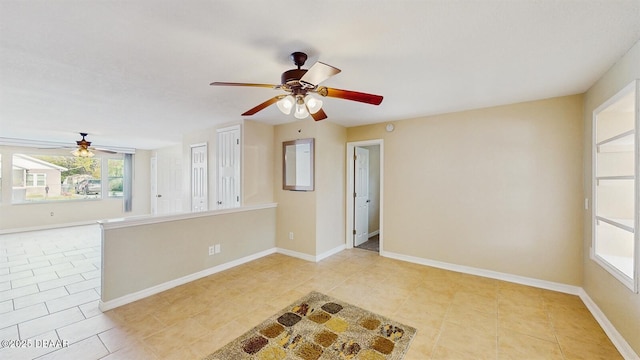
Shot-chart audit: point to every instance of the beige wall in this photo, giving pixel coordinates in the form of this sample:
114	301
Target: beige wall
330	186
21	216
257	164
166	251
316	218
497	188
619	304
296	210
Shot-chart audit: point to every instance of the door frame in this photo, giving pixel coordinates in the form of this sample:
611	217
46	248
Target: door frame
350	189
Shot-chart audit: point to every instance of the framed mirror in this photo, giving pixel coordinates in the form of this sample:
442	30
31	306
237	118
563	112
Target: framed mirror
298	164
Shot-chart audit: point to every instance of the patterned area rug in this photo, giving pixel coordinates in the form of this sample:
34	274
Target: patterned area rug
320	327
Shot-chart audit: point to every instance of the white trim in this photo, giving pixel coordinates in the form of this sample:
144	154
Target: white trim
523	280
616	338
374	233
123	300
154	219
296	254
331	252
349	211
308	257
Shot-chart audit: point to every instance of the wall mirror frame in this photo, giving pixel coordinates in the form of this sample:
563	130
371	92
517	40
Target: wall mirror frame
298	165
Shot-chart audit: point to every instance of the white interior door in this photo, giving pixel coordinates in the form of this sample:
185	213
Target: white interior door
169	180
199	183
361	196
229	167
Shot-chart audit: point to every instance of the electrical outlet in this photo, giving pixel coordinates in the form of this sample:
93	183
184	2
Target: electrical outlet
212	250
291	235
217	248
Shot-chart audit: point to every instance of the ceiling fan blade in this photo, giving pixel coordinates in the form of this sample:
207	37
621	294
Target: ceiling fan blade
351	95
319	115
318	73
103	150
269	102
218	83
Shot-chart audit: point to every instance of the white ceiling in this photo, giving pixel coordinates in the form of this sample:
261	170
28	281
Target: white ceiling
137	73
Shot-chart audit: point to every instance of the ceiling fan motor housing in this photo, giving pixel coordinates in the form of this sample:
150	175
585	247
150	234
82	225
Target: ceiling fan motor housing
292	75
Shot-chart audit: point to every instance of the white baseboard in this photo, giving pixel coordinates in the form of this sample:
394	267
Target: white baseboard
296	254
543	284
333	251
308	257
123	300
374	233
616	338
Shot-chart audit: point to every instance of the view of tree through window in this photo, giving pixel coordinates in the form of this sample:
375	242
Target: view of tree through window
59	178
115	168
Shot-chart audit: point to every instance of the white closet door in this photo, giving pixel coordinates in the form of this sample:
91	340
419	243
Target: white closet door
229	167
199	183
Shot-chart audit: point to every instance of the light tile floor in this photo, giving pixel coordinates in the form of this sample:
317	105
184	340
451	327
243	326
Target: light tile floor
49	290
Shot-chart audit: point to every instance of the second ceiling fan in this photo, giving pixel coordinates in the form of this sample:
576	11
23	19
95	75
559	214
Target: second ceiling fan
299	84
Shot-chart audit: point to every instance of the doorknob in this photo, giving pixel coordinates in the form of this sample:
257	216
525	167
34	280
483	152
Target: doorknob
368	200
159	195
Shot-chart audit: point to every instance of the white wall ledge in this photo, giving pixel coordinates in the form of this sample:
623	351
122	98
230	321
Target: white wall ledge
156	219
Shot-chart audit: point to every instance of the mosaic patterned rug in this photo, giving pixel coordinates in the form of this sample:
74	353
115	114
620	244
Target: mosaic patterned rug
320	327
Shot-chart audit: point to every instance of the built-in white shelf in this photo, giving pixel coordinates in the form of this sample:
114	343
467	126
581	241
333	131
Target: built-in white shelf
624	264
614	178
624	224
616	245
617	177
620	143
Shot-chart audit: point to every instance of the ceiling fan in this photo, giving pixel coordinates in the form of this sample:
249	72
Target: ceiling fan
299	84
84	149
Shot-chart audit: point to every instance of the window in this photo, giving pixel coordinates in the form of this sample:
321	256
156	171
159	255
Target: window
36	179
55	178
115	172
615	186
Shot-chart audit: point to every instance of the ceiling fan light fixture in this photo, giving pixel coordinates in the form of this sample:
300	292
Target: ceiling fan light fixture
286	104
313	105
301	110
82	152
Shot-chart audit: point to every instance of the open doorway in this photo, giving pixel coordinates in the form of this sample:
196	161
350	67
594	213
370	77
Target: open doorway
364	206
